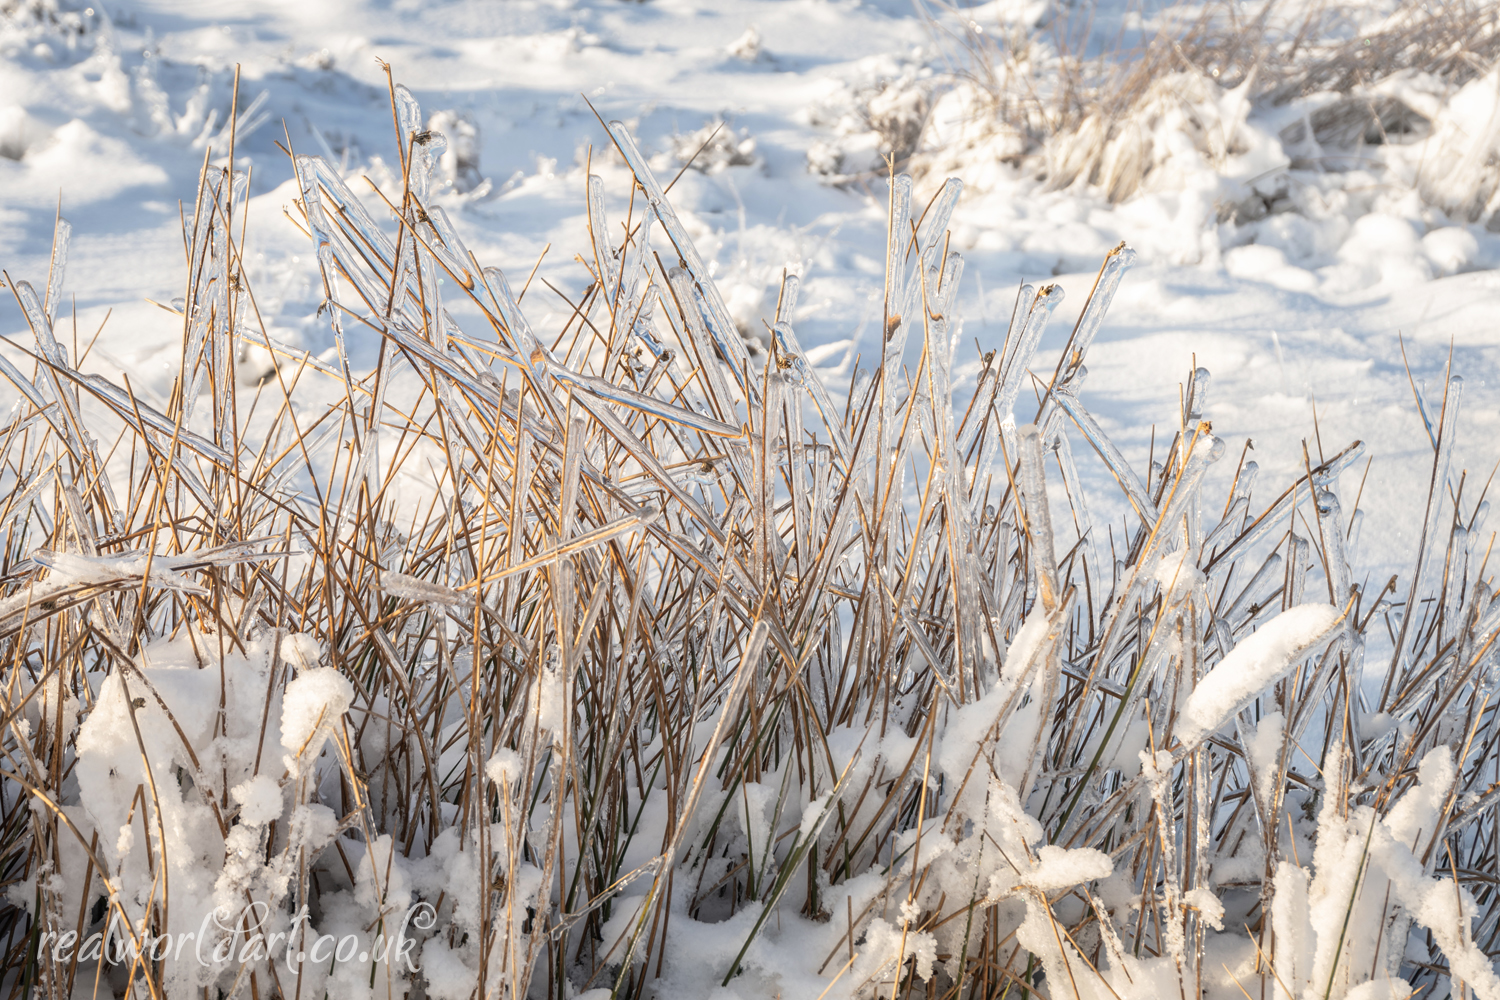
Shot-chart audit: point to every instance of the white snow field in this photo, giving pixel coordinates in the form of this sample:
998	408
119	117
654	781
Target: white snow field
390	612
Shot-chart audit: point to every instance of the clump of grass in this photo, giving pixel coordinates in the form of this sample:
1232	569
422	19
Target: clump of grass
667	646
1074	107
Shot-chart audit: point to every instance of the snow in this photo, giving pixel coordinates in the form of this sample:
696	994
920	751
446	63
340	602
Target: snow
1264	748
1305	308
504	767
259	799
1205	902
1253	665
1057	868
314	703
1177	574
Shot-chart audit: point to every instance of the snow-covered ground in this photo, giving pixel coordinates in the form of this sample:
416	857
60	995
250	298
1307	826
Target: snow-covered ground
111	107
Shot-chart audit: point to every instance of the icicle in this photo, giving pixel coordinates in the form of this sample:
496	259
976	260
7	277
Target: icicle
1015	330
790	350
636	280
1120	260
239	190
962	557
1198	401
127	408
41	326
444	242
939	377
628	291
417	145
719	322
1458	569
1124	475
18	504
1478	521
605	254
730	344
1028	321
1356	521
536	355
719	393
1486	644
1473	538
331	247
1286	505
62	234
195	228
786	301
799	470
605	389
1194	427
220	347
1233	518
989	448
1079	498
934	223
822	470
27	388
200	329
1038	515
898	236
1296	572
1246	481
315	170
403	279
1256	591
1181	494
1014	374
651	464
769	547
437	318
1331	528
890	450
572	465
55	362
